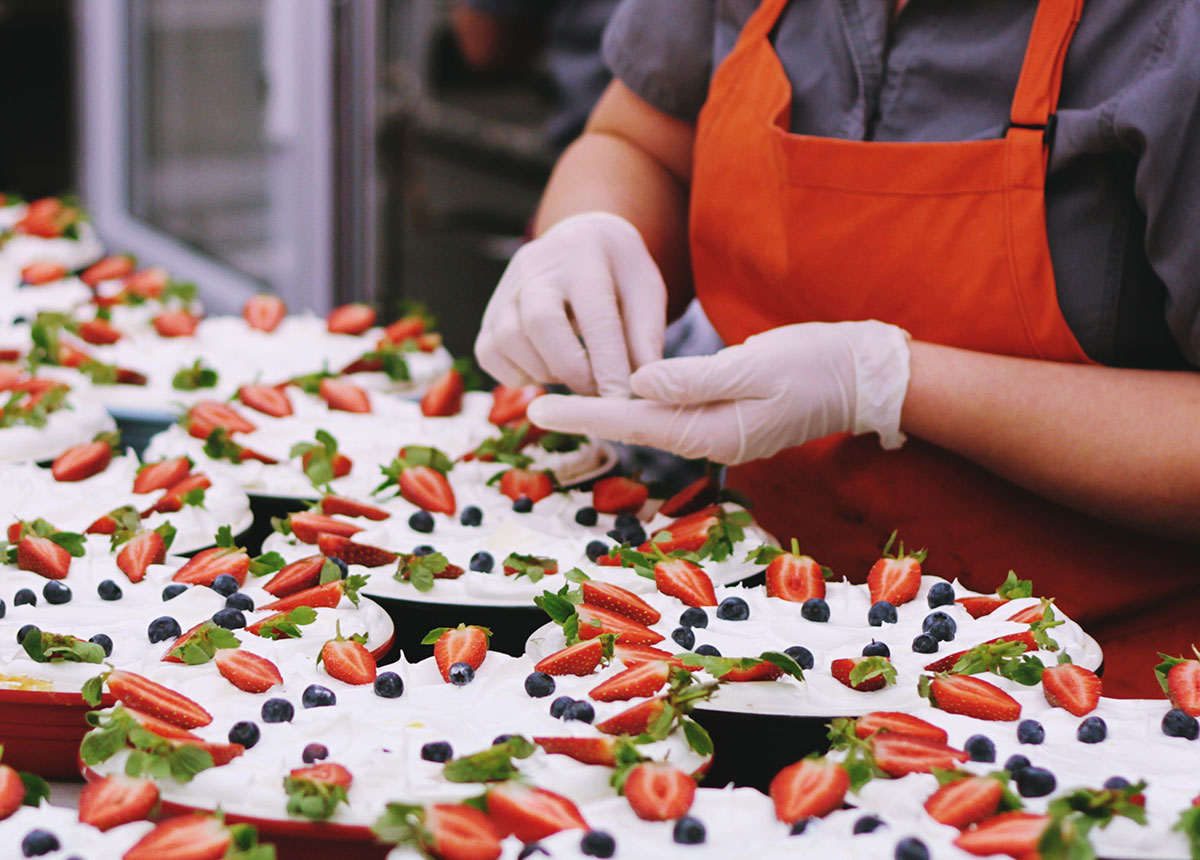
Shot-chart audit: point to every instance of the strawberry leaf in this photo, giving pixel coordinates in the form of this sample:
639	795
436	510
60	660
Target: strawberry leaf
1189	825
492	765
873	667
287	626
43	647
269	562
195	377
311	799
36	789
1013	588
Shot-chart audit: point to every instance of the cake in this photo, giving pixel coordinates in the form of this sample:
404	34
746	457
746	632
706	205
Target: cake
41	417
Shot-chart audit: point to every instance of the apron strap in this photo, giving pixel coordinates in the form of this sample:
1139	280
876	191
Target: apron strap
760	24
1038	89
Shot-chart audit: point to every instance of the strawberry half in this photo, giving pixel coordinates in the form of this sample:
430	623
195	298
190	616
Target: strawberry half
899	755
44	557
977	607
108	269
696	495
972	697
264	312
531	814
1016	834
455	831
266	399
795	577
893	721
509	404
896	578
116	800
247	671
600	751
307	527
1183	686
44	272
350	319
965	801
175	324
343	395
594	621
617	599
335	546
340	463
80	462
172	499
427	488
810	788
326	596
445	395
945	664
581	659
619	495
405	328
686	533
634	655
534	486
1029	614
161	475
844	667
352	508
187	837
148	283
207	415
205	566
296	576
1073	688
348	660
139	552
657	791
635	720
678	577
156	700
462	644
637	682
98	332
12	791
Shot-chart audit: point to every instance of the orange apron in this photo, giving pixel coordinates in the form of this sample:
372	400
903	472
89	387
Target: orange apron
947	240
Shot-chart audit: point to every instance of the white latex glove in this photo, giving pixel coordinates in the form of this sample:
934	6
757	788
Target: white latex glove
590	276
780	388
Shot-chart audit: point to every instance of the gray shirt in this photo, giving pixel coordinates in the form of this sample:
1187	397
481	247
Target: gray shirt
1123	190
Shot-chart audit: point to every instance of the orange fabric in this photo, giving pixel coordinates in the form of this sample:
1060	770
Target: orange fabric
947	240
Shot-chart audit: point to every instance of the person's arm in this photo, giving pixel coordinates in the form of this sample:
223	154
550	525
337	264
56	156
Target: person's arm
1121	445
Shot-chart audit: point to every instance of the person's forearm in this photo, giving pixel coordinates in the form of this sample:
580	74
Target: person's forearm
1121	445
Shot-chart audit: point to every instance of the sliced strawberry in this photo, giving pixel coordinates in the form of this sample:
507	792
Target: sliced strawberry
352	508
842	668
343	395
893	721
264	312
509	404
47	218
148	283
156	700
307	527
161	727
68	356
44	272
335	546
326	596
635	720
116	800
348	661
172	499
247	671
1016	834
99	332
455	831
638	682
696	495
686	533
634	655
594	621
657	791
896	579
965	801
340	463
80	462
296	576
1073	688
795	578
44	557
405	328
207	415
581	658
1183	686
945	664
618	495
222	754
108	269
14	532
529	813
810	788
899	755
678	577
1029	614
206	565
187	837
161	475
445	395
534	486
139	552
175	324
266	399
761	671
427	488
125	376
973	697
12	791
350	319
617	599
600	751
183	638
462	644
977	607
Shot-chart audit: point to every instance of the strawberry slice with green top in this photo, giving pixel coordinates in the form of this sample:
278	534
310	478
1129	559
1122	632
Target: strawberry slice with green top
1011	589
688	533
347	659
969	696
963	800
509	404
896	578
1017	834
340	505
531	814
810	788
532	566
99	332
45	647
284	625
1072	688
299	575
161	475
335	546
420	473
44	556
791	576
209	415
108	269
898	755
264	312
320	460
43	272
445	396
582	658
986	655
446	831
326	596
247	671
344	396
620	600
1180	680
594	622
421	571
637	682
123	519
617	495
224	558
187	837
189	491
200	644
267	399
601	751
864	674
80	462
685	580
307	527
462	644
144	549
12	791
658	791
899	723
525	483
115	800
353	318
314	792
700	493
149	697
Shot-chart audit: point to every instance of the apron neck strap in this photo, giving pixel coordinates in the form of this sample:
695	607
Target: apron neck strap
760	24
1038	89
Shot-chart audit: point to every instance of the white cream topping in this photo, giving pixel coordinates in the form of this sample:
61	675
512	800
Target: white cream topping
19	301
21	250
75	839
77	422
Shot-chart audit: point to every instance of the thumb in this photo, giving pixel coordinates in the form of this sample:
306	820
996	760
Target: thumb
734	373
637	422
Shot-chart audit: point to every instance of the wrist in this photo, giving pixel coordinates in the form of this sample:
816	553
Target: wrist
882	369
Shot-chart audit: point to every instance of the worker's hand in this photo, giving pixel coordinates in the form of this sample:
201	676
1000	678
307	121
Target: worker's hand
589	277
780	388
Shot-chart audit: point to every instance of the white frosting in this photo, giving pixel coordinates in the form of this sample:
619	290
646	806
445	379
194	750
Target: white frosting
26	301
10	215
74	838
74	254
28	491
77	422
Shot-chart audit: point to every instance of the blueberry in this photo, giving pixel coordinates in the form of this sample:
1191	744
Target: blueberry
277	711
801	655
868	824
316	696
389	685
483	562
501	739
940	626
56	593
733	609
108	590
1117	783
1030	732
684	638
694	616
924	644
471	516
245	733
559	706
523	505
579	711
628	530
689	831
799	826
539	685
230	619
980	748
1035	782
1016	764
423	550
3	608
421	521
815	609
530	849
438	751
595	549
876	649
1092	730
225	584
1178	724
25	597
239	601
38	842
627	521
25	631
707	650
314	752
461	674
173	590
597	843
941	594
104	641
912	848
881	613
163	628
586	516
343	568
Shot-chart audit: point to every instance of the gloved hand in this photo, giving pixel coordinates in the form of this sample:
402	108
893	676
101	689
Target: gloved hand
780	388
590	276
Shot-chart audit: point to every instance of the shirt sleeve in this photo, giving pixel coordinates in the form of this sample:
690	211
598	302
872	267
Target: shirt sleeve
662	50
1158	120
